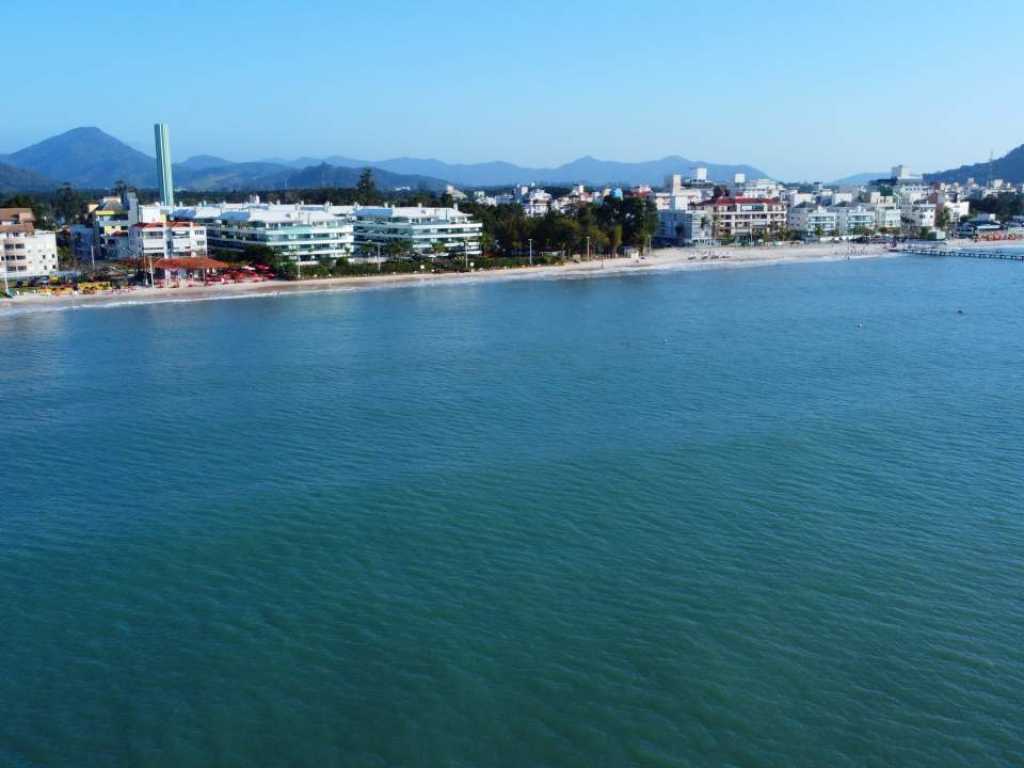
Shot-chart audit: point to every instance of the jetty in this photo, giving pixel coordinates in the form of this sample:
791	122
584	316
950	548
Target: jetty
963	253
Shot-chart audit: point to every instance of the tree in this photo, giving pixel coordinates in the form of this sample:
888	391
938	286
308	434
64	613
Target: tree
67	204
397	248
366	188
942	217
615	239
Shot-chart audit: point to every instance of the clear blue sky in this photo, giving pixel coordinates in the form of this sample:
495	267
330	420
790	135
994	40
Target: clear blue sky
808	90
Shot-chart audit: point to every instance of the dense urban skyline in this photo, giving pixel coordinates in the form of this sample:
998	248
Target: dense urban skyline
813	93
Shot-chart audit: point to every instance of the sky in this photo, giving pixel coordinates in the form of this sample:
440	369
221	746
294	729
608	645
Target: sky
803	91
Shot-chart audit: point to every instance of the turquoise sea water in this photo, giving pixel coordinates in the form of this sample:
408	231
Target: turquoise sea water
757	517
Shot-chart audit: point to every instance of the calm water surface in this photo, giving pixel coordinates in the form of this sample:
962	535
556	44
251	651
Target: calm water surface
757	517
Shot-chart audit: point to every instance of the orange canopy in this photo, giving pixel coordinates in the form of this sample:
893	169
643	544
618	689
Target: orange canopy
199	262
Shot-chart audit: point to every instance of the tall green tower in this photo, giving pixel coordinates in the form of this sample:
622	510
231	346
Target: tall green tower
163	164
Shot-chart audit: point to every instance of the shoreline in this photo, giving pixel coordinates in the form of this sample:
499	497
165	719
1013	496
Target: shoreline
666	259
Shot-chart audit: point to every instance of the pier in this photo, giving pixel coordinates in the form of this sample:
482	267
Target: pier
963	253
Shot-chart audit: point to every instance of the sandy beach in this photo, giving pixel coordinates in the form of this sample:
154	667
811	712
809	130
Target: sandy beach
721	257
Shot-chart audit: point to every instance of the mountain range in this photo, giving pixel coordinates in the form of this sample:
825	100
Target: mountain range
89	158
585	170
859	179
19	180
1009	167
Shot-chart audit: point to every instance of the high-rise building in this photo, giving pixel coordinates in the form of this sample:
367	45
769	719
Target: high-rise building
163	164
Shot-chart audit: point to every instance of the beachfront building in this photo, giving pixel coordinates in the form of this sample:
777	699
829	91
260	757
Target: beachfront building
685	226
305	234
156	240
427	231
918	215
812	221
25	252
107	224
887	218
854	219
982	226
737	218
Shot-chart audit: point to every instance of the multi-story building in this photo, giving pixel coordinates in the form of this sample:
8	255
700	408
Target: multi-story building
311	233
156	240
685	226
812	221
535	202
744	217
427	230
766	189
25	252
918	215
854	219
108	222
306	234
887	218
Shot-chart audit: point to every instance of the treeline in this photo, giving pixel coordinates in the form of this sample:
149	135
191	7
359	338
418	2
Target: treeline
603	228
394	259
1004	206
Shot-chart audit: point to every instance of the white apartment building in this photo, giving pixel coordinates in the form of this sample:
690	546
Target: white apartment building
854	219
834	197
918	215
812	221
535	202
451	229
763	188
166	240
887	218
305	234
25	252
310	233
793	197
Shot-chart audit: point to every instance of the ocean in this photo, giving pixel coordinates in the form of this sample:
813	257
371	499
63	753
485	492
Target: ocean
737	517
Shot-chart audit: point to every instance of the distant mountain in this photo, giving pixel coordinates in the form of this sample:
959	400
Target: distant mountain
1009	167
325	175
859	179
86	157
299	162
90	158
202	163
19	180
268	176
232	176
585	170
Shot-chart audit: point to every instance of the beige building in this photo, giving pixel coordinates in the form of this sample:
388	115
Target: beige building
745	217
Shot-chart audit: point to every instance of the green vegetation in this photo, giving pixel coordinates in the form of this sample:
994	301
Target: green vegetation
508	232
1004	206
